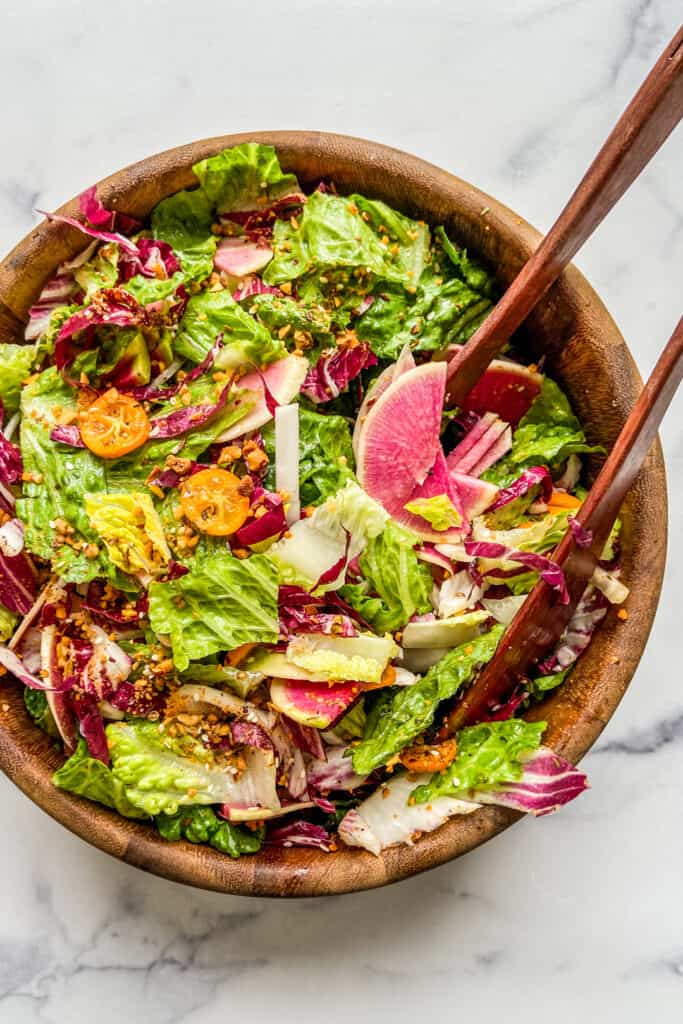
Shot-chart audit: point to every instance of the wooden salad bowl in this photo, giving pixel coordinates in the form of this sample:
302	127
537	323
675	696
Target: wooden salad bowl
584	351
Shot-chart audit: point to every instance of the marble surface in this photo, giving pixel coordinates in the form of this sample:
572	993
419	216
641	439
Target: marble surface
577	915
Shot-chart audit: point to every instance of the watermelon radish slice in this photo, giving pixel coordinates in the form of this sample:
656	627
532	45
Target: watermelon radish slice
475	495
318	705
501	447
470	439
477	451
506	388
283	380
404	362
239	257
399	454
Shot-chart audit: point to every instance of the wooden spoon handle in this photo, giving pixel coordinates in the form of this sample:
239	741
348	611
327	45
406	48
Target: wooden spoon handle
541	620
648	120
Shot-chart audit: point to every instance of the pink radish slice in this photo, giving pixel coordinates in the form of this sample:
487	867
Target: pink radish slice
239	257
470	439
475	495
497	451
399	447
387	377
479	450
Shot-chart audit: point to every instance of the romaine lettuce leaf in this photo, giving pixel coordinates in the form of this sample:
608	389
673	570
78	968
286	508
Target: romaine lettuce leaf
60	476
184	221
102	271
393	571
276	312
200	825
322	545
39	710
220	603
245	177
325	455
153	289
439	511
161	773
245	340
488	754
444	311
131	529
395	722
16	362
332	233
90	778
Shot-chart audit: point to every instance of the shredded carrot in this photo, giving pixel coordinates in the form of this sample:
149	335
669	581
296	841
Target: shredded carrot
560	499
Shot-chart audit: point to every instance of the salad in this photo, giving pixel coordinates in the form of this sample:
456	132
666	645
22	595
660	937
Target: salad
249	558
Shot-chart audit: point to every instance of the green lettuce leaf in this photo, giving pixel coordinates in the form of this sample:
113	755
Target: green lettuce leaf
200	825
102	271
131	530
325	455
439	511
16	362
152	289
61	476
468	270
245	339
39	710
546	436
90	778
332	233
396	722
444	311
393	571
488	754
221	603
8	621
278	312
184	221
244	177
162	773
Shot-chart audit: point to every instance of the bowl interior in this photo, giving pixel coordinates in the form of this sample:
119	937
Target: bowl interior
583	350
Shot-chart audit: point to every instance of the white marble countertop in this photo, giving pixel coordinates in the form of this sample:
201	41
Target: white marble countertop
579	914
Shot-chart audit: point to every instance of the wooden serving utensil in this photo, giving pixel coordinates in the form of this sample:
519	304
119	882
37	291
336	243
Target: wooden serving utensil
542	618
648	120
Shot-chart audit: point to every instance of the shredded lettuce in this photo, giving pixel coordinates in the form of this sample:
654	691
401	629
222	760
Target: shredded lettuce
410	710
488	754
221	603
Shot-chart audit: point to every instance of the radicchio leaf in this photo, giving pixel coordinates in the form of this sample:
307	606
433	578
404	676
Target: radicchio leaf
188	418
582	537
300	833
18	588
549	571
152	259
268	526
332	373
90	724
548	782
534	477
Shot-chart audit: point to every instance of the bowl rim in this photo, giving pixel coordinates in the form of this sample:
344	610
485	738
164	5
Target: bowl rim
26	758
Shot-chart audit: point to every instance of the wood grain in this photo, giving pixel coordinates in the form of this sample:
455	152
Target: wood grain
541	620
586	354
646	123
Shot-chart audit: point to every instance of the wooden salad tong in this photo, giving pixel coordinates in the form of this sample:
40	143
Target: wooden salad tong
646	123
542	618
648	120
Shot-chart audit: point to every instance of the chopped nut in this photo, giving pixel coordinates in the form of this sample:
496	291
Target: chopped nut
91	551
